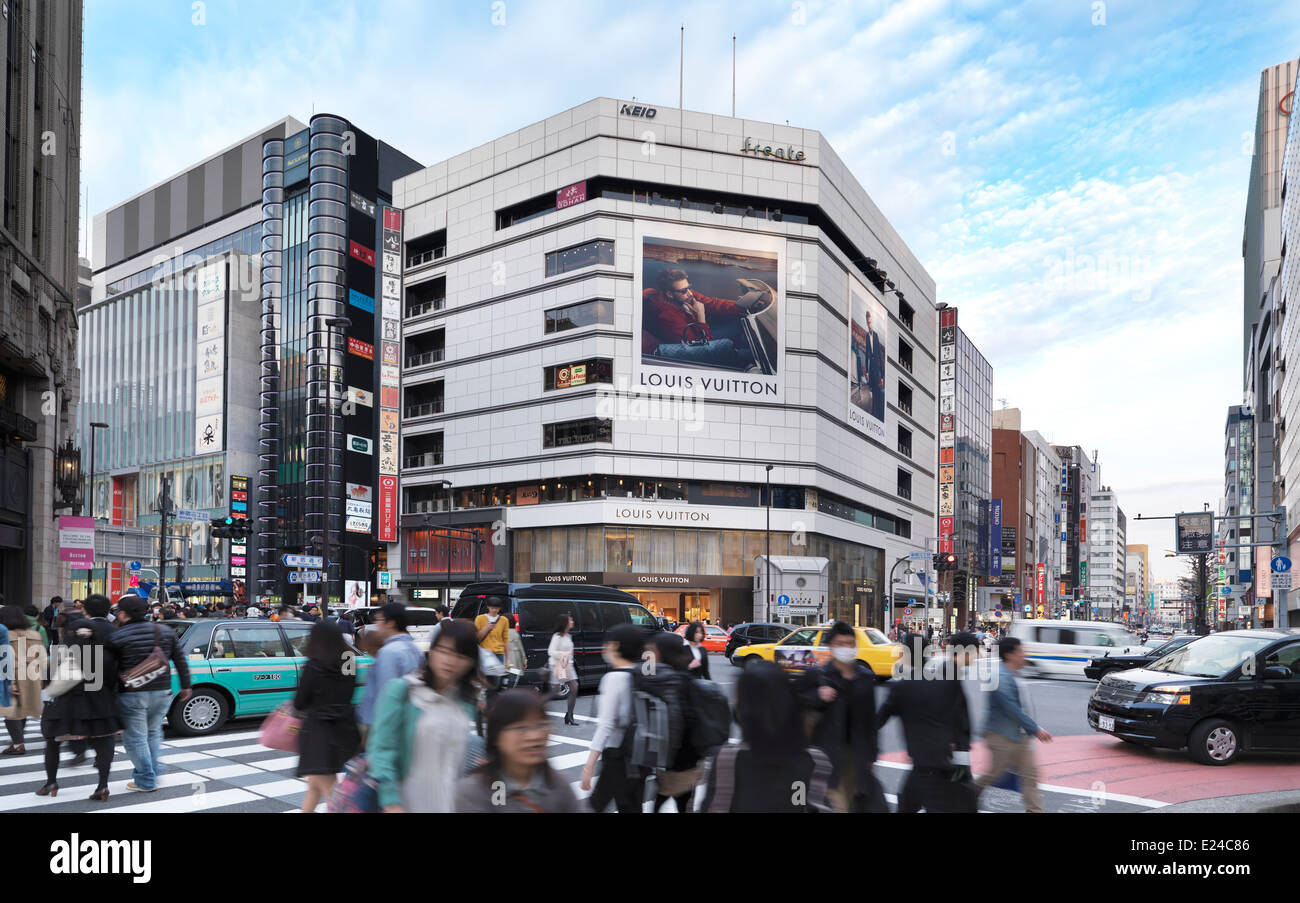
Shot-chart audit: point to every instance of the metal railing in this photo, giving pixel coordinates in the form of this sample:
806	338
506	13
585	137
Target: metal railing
427	357
428	459
424	409
428	256
421	308
905	449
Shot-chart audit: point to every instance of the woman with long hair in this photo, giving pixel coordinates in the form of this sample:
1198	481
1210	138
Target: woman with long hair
27	661
422	740
698	665
516	776
758	774
329	734
559	658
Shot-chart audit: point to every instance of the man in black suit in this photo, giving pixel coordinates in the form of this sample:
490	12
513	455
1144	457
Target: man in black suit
876	370
936	726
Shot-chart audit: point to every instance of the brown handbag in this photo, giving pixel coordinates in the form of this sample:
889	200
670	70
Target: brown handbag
154	666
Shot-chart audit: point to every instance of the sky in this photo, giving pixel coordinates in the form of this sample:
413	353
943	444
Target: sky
1072	173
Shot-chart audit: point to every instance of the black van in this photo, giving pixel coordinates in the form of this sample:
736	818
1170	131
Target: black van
537	606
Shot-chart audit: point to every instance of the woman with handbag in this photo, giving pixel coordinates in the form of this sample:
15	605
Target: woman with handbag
83	694
329	735
559	659
422	739
27	658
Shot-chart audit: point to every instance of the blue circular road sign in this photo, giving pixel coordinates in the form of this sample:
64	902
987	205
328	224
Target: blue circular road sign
135	565
782	599
1280	564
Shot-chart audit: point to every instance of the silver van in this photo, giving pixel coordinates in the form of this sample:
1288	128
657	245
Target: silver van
1065	647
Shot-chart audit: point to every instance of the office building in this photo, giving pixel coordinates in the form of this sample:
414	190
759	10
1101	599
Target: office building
1026	491
1106	555
585	426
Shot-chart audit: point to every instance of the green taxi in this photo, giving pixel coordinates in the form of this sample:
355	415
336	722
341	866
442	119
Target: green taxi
240	668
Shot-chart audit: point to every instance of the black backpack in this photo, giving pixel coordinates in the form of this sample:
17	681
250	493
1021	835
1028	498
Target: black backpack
710	716
656	724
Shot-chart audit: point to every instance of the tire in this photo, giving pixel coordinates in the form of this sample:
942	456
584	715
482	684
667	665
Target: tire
1215	742
749	660
203	713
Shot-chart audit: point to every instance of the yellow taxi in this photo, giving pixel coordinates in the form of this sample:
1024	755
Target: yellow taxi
806	648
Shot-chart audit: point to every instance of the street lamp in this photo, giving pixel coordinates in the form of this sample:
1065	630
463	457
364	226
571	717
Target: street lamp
768	593
67	475
94	428
345	324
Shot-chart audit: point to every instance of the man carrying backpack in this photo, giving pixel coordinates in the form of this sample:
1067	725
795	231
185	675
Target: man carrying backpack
624	647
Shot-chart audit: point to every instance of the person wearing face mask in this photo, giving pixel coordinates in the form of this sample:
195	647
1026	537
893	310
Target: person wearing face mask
843	694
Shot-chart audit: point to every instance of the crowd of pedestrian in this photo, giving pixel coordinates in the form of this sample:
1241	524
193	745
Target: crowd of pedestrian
444	730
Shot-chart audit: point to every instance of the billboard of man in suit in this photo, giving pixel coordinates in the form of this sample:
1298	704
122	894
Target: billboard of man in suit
868	338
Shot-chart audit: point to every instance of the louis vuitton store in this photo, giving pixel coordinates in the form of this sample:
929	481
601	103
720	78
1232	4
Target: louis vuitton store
679	571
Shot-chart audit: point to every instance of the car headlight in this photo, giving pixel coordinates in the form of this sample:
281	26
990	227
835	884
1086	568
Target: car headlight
1168	696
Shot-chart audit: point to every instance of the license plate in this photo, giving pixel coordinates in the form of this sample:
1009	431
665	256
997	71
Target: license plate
1106	723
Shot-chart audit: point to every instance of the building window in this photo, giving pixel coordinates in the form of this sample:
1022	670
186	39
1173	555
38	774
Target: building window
593	253
597	311
580	373
577	432
904	484
904	397
905	355
905	440
907	315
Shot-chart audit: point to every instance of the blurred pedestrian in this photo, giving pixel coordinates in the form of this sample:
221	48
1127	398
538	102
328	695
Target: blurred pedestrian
516	776
698	667
27	661
1009	731
329	734
559	659
936	728
34	622
516	657
843	693
398	656
145	701
624	645
684	772
422	739
772	769
86	715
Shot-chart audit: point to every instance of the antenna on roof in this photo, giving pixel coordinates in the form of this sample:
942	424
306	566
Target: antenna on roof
733	76
1004	403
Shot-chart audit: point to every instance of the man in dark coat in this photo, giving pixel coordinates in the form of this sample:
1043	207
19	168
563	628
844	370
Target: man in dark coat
96	707
843	693
936	726
876	370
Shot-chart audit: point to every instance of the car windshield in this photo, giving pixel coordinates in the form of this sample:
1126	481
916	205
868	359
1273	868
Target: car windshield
1210	656
876	636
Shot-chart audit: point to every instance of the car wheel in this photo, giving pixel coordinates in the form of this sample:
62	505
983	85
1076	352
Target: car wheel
749	660
1215	742
202	713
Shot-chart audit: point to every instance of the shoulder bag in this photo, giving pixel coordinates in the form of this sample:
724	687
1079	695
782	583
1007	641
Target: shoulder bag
154	666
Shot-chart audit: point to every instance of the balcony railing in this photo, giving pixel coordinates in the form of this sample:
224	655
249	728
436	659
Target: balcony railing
428	459
905	449
424	257
905	406
425	358
424	409
421	308
904	492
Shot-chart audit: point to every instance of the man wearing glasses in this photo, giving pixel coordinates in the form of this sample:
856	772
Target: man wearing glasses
680	323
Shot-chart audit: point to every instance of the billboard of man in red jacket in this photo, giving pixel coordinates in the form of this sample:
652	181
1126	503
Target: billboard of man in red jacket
682	324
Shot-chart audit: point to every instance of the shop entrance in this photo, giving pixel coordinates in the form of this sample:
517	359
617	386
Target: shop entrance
680	605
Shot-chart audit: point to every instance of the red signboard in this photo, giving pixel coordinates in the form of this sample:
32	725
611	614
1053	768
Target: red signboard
945	422
945	546
388	396
948	317
570	195
1042	584
945	526
387	509
392	218
946	455
361	349
361	252
1083	530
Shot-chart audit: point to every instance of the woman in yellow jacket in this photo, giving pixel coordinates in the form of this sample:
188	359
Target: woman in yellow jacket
27	658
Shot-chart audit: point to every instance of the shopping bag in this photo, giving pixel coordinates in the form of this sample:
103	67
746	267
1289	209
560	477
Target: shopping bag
357	791
280	729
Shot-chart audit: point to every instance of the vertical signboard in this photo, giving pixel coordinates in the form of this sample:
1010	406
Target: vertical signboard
948	429
210	359
389	384
77	541
238	509
995	540
1042	583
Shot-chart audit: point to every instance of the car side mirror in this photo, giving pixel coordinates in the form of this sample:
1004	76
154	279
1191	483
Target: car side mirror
1276	672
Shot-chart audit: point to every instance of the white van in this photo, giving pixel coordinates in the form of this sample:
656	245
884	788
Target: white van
1064	647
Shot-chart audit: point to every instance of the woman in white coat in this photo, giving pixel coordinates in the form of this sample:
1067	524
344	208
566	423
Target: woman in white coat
560	661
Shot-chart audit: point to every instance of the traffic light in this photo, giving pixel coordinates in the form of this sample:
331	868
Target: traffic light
938	562
946	562
236	528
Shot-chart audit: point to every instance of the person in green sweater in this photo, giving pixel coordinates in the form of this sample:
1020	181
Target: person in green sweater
422	740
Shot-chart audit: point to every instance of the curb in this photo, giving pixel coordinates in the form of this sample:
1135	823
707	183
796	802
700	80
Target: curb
1277	802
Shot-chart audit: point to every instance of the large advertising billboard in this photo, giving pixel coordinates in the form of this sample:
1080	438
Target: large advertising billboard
868	341
709	311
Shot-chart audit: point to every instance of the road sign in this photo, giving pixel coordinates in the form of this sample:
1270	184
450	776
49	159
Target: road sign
1281	581
783	599
189	515
1280	564
1028	609
304	576
135	565
920	556
303	561
1225	591
908	610
384	579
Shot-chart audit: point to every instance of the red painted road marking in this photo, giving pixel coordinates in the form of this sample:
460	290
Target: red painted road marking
1157	774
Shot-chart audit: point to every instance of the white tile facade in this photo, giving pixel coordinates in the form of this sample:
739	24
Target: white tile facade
497	291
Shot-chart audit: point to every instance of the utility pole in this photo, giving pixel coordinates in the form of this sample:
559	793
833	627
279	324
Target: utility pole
1201	627
164	508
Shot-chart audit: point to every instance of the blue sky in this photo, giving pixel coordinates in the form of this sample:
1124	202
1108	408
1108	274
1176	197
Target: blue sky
1071	172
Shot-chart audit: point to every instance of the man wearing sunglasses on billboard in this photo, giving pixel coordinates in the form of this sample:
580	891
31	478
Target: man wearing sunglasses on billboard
681	324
